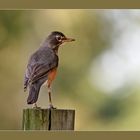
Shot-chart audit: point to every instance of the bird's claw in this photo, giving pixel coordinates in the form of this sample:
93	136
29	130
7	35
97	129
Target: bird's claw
36	107
51	107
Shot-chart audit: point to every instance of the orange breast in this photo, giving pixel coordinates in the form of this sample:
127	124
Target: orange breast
51	75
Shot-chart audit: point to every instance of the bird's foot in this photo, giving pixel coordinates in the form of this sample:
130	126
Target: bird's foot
35	106
51	106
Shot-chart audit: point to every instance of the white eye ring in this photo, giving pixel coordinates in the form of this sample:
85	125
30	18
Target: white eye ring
59	38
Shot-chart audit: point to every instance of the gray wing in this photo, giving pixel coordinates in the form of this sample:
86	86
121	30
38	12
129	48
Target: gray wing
40	63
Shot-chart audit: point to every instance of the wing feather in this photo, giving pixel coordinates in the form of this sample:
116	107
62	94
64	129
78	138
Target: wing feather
40	64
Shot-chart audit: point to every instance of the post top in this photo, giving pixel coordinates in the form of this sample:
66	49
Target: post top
49	109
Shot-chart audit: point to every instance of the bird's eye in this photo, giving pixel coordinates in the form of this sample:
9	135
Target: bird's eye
59	38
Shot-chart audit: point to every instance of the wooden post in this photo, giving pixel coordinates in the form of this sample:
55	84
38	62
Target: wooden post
48	119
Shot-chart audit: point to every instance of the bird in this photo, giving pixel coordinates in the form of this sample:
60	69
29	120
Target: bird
42	67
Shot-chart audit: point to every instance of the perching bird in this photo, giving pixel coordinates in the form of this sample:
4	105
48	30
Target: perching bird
42	67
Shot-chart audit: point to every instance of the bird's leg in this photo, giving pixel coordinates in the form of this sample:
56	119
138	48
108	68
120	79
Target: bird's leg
34	105
50	100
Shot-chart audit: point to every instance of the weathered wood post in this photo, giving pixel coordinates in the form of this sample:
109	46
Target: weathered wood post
48	119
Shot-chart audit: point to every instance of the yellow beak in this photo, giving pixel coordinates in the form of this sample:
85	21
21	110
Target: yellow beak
68	40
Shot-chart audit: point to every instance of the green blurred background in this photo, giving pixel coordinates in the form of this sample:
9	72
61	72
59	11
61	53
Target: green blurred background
99	73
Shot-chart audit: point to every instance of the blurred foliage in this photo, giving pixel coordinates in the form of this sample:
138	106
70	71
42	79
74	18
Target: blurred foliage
21	33
13	24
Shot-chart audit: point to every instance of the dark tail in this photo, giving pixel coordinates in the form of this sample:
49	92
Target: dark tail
33	93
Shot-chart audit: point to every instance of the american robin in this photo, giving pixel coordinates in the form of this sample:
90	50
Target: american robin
42	67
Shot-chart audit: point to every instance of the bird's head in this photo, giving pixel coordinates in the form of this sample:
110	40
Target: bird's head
57	38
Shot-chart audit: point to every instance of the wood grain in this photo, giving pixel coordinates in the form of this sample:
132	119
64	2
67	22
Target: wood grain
48	119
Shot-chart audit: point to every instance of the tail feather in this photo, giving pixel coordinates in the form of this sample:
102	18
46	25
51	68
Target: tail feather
33	93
